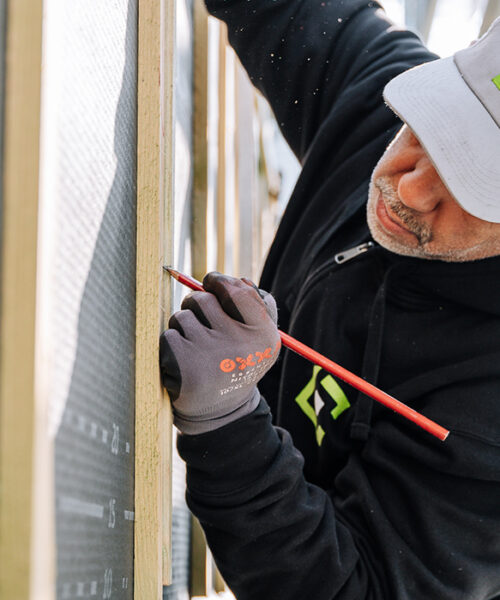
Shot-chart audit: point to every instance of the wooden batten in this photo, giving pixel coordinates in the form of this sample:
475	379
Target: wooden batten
200	142
221	147
18	294
153	442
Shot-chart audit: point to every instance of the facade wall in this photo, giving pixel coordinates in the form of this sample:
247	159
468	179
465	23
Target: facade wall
87	256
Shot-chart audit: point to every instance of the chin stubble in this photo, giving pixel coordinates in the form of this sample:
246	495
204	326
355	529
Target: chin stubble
421	230
483	249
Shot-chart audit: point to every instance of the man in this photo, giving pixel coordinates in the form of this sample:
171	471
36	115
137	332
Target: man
343	499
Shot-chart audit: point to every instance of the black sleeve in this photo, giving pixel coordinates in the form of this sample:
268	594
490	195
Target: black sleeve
303	54
272	534
419	516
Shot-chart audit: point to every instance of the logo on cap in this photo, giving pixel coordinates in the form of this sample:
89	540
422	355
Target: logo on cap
496	81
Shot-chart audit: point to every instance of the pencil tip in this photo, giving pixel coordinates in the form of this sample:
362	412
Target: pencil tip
172	272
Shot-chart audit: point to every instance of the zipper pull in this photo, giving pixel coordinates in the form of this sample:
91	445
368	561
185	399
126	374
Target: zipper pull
347	255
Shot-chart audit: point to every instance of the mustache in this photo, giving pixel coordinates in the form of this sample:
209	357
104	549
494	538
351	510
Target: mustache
408	216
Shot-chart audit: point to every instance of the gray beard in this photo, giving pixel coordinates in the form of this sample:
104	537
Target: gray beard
423	233
421	230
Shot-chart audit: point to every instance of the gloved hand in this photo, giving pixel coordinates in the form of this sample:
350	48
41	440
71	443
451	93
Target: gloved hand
215	351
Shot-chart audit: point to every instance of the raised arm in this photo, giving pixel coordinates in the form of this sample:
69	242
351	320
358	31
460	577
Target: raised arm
303	54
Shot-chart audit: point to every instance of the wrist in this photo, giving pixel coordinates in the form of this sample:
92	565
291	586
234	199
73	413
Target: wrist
197	425
226	459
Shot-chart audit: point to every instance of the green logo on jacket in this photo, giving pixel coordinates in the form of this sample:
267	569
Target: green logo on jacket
496	81
312	410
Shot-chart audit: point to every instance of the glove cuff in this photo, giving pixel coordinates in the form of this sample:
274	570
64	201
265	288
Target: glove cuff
189	427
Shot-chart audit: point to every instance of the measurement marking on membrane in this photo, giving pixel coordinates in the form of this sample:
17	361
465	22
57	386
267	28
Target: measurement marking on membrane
112	513
80	589
68	504
81	423
108	583
92	429
115	442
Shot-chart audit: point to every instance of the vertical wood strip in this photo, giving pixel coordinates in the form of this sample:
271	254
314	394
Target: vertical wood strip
237	175
153	441
18	293
200	143
199	238
167	240
260	205
198	584
221	161
218	582
247	175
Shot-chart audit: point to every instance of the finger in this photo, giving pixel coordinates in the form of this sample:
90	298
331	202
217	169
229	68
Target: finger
186	323
239	300
173	323
270	302
169	367
252	284
205	307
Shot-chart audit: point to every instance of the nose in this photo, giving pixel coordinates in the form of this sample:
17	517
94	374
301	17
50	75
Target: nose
421	188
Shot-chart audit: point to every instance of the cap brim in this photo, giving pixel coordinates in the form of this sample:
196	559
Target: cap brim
457	132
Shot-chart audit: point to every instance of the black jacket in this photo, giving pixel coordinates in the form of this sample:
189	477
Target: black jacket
345	499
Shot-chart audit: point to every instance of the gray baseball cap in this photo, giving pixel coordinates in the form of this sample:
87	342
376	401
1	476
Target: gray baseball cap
452	105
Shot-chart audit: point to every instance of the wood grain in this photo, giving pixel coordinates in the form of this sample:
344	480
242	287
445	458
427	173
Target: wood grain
18	293
200	142
221	148
153	441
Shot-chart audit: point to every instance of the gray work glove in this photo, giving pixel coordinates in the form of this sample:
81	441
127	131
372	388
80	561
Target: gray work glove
216	349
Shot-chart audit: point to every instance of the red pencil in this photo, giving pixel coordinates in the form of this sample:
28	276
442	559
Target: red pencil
335	369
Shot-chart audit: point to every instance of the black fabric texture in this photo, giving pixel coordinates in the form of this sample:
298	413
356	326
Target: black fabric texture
342	499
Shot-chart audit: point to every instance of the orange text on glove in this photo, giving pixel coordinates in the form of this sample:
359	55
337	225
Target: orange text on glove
227	365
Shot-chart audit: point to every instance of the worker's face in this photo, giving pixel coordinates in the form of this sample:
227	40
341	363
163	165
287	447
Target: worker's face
411	211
